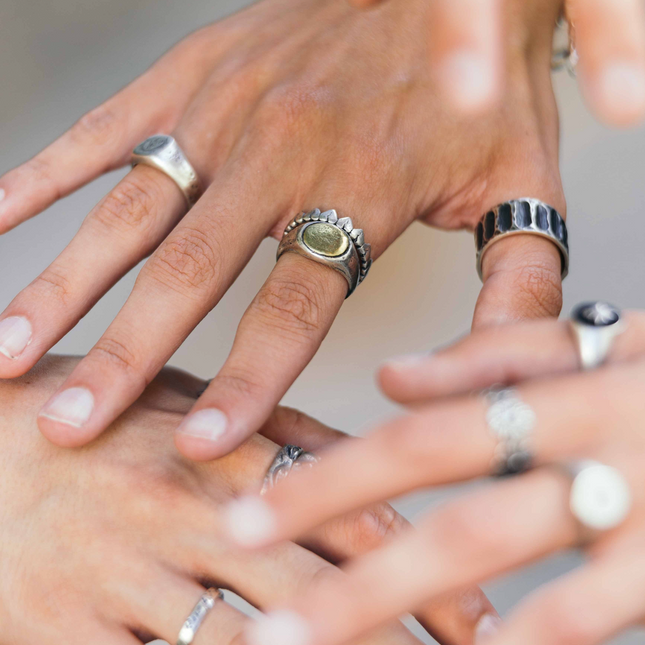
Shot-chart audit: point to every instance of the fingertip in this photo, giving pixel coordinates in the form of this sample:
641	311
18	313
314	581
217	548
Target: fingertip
249	522
62	434
63	419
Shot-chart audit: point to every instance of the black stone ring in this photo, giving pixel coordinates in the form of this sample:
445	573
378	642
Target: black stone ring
521	217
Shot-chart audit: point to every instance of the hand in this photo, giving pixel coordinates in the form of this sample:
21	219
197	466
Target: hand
592	415
284	106
468	54
111	544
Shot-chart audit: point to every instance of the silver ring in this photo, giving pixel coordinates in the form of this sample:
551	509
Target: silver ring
512	422
288	458
594	326
162	152
600	497
331	241
189	629
565	55
521	217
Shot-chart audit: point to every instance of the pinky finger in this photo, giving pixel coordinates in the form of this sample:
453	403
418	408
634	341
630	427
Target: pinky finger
610	39
587	607
103	139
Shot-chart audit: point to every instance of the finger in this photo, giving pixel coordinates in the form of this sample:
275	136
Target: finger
177	287
465	49
469	540
522	280
587	607
610	40
125	227
103	139
500	356
443	443
277	336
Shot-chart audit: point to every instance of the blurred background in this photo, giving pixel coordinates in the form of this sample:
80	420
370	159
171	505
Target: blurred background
59	59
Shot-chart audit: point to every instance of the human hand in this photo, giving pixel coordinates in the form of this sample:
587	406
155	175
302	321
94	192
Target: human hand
590	416
112	543
468	53
282	106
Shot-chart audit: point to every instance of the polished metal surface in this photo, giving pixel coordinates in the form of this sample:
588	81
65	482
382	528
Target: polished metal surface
600	497
162	152
512	422
594	326
526	216
326	239
288	459
197	616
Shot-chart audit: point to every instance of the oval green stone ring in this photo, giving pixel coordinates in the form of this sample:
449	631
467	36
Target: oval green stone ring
329	240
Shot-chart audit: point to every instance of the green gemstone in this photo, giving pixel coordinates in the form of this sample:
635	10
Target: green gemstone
326	239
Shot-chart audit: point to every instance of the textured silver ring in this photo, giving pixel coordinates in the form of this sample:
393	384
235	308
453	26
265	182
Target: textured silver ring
162	152
594	326
600	498
521	217
564	55
512	422
328	240
288	459
189	629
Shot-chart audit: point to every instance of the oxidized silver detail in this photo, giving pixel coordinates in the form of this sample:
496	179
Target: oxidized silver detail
565	55
197	616
600	497
521	217
290	458
162	152
594	326
512	422
354	265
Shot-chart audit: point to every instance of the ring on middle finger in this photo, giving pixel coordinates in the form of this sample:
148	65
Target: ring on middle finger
289	458
326	239
512	422
594	326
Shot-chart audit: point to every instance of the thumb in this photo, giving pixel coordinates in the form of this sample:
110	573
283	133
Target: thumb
522	281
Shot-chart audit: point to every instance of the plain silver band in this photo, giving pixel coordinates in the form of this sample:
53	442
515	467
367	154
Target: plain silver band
170	159
189	629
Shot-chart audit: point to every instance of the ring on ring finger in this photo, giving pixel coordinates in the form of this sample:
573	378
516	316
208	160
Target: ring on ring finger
595	326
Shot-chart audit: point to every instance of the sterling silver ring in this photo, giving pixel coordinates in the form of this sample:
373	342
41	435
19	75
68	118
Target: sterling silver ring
595	326
600	497
526	216
162	152
512	422
288	459
189	629
326	239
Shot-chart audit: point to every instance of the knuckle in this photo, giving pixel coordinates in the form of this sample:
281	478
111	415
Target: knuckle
117	353
40	172
372	526
54	283
290	306
540	291
238	381
188	259
100	126
128	206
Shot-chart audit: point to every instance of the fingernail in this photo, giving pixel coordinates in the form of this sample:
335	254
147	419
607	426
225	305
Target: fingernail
250	521
209	423
15	335
281	627
158	642
406	361
3	194
623	86
469	79
73	407
488	626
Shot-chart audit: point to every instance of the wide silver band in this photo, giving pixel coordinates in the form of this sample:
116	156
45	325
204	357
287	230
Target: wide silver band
512	422
600	497
594	326
288	459
189	629
162	152
524	216
326	239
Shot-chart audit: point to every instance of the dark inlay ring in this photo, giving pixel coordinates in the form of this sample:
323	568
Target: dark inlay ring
521	217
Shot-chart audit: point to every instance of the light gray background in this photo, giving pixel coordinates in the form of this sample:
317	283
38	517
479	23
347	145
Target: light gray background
59	59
